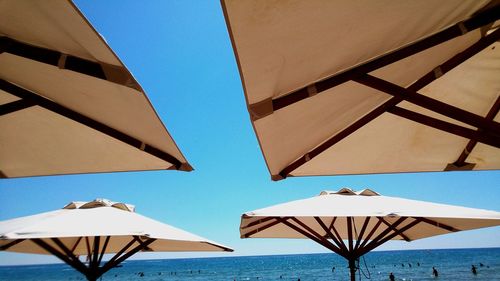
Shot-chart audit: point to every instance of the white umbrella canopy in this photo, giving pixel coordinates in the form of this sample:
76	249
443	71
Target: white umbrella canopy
365	219
67	103
93	229
359	87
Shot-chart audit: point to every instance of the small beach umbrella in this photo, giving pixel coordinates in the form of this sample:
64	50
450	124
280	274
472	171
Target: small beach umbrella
67	103
360	87
364	219
93	229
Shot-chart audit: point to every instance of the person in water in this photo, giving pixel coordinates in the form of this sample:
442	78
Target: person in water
473	269
391	277
434	272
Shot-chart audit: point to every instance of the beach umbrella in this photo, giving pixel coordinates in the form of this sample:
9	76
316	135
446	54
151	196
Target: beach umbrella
93	229
67	103
364	219
360	87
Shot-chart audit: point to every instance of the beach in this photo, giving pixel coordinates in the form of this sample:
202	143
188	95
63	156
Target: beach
452	264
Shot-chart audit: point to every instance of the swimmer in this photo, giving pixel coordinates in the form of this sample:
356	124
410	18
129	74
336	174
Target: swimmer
434	272
473	269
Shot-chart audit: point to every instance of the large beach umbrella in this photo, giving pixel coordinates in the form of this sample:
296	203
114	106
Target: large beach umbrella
356	87
67	103
365	219
93	229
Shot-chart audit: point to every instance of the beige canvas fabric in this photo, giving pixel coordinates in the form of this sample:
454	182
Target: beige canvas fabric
98	218
284	46
337	206
37	141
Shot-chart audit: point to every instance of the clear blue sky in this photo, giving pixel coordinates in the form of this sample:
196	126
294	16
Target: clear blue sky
181	54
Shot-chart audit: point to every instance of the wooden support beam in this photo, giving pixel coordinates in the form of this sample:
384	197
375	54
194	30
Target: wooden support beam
76	244
476	21
15	106
91	123
429	103
344	246
112	263
381	235
340	244
492	113
349	233
10	244
119	253
394	229
438	224
361	233
261	228
372	246
370	234
145	247
493	140
69	254
263	220
120	75
428	78
103	251
87	243
95	253
316	238
76	265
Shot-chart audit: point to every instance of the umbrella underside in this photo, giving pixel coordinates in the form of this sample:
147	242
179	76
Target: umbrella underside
95	252
330	233
414	102
68	105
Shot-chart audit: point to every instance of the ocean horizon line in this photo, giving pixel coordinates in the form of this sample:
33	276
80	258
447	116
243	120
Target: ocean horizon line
253	256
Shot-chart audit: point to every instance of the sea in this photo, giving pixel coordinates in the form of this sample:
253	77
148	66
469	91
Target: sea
451	264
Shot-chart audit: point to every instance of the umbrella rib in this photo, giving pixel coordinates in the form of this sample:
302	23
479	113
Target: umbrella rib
95	256
428	103
76	244
389	229
316	238
88	249
339	238
394	229
258	222
375	244
112	263
146	248
361	233
11	244
219	246
340	244
349	233
383	234
69	62
444	68
103	249
78	265
440	225
472	143
332	223
480	19
259	229
370	234
490	139
70	254
15	106
119	253
91	123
